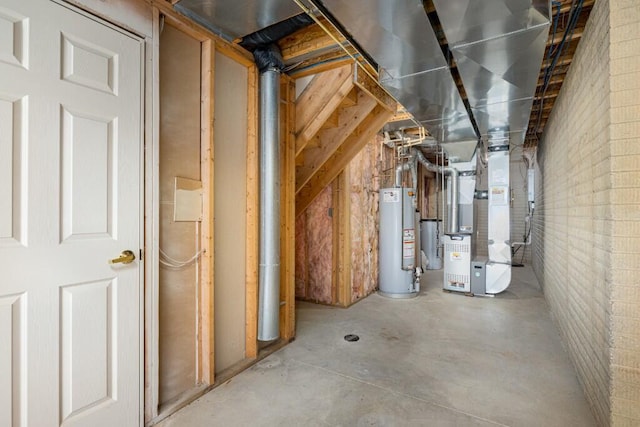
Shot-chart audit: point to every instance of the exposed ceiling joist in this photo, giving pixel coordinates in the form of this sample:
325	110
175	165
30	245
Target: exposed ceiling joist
342	156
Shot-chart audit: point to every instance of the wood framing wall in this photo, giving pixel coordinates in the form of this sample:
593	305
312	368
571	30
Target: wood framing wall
337	235
338	113
179	157
363	190
229	144
230	154
287	207
314	259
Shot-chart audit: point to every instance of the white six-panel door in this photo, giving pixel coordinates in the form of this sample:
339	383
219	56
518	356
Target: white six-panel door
70	200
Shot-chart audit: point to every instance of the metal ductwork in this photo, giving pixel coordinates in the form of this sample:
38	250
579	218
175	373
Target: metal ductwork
454	175
269	291
498	46
410	165
498	274
269	62
237	18
399	36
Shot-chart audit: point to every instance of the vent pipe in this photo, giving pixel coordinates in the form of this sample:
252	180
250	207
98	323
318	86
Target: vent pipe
269	292
269	61
449	171
401	167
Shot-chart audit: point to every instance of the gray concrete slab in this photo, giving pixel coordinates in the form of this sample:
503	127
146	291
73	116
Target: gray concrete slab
437	360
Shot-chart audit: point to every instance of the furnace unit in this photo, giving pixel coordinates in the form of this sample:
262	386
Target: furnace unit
457	262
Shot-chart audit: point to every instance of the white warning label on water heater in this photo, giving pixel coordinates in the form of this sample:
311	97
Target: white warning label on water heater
391	196
408	243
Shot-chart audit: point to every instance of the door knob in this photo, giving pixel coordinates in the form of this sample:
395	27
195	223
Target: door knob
126	257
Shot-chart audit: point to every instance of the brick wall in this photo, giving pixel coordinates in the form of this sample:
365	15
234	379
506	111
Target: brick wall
587	224
624	276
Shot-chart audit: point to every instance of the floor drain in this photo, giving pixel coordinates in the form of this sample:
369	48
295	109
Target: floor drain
351	338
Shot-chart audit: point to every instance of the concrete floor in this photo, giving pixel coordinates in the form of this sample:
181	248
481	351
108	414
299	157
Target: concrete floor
437	360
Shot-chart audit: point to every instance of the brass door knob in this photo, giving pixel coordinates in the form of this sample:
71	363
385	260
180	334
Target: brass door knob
126	257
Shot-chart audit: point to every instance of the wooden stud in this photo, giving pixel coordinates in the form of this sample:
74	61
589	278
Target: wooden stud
252	220
335	239
287	209
344	238
327	62
351	146
318	101
400	116
206	369
331	139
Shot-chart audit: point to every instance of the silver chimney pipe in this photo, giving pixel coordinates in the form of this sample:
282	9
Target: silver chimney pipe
409	165
445	170
269	293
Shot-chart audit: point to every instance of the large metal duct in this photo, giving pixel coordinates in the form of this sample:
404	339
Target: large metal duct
237	18
269	295
498	271
399	36
269	62
498	46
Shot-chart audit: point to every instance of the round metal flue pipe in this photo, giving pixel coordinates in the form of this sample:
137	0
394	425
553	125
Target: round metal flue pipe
269	282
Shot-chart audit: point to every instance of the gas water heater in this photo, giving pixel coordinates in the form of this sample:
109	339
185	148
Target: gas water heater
399	277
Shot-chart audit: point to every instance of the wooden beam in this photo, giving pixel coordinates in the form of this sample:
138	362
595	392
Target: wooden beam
351	146
308	42
343	248
326	62
335	239
373	88
252	220
331	139
547	96
287	209
400	116
318	101
206	368
555	79
577	34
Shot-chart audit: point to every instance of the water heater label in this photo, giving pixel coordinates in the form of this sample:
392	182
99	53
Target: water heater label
391	196
408	243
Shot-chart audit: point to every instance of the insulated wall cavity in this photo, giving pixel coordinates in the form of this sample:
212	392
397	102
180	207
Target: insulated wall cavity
230	210
179	157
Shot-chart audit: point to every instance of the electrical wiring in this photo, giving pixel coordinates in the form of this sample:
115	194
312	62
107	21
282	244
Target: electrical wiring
555	54
174	263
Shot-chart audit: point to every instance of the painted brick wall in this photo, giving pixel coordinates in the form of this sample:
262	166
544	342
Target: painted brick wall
587	224
624	276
